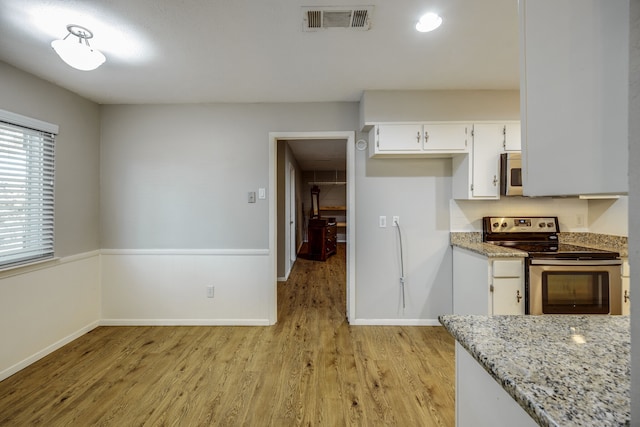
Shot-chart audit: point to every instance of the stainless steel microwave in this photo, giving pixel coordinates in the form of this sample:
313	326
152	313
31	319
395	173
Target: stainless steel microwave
511	174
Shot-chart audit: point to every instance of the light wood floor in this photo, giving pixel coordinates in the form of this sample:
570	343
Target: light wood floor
311	369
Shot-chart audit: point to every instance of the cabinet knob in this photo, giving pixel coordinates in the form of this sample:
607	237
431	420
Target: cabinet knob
518	296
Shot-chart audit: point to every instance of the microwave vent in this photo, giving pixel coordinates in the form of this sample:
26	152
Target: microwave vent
324	18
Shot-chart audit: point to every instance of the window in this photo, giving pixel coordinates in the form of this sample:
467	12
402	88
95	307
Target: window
26	189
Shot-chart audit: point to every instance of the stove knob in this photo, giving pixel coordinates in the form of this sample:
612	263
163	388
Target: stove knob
496	224
504	224
542	225
550	224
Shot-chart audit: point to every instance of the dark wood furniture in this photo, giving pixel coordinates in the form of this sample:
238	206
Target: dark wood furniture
322	237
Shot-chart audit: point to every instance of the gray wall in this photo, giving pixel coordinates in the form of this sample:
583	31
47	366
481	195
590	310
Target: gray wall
77	153
177	176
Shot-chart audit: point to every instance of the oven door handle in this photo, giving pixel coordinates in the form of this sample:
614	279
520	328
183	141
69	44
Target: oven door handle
583	262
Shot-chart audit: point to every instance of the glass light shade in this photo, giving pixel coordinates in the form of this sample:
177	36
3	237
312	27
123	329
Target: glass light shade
78	55
428	22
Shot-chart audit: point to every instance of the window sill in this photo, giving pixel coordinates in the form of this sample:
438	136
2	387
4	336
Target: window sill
27	268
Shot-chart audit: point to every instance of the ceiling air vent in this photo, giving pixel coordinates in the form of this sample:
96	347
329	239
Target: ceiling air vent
323	18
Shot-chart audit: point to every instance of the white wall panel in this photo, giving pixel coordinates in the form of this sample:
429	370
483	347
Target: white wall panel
146	287
43	309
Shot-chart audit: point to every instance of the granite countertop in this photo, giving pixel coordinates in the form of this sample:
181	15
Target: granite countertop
473	242
564	370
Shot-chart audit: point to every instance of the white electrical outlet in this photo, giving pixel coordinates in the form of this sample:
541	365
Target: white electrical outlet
383	222
210	291
396	221
579	220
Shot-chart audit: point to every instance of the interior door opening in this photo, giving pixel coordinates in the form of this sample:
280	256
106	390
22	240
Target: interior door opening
324	160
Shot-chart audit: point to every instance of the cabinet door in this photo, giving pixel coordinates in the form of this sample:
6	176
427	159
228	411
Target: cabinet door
401	137
446	136
508	296
626	289
487	145
470	283
574	89
626	296
512	137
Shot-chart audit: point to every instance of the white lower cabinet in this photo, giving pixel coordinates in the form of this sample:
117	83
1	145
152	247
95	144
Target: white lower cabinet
626	288
487	286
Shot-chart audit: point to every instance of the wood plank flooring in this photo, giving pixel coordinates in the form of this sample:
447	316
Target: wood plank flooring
311	369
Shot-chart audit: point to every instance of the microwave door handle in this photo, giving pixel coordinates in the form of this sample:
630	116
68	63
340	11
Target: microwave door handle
583	262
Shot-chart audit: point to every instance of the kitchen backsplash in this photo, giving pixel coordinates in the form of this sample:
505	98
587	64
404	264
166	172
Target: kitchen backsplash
608	216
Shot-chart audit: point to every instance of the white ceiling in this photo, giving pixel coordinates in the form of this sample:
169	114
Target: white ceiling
178	51
320	154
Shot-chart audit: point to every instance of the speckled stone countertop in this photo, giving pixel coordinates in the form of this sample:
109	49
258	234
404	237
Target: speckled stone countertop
473	242
564	370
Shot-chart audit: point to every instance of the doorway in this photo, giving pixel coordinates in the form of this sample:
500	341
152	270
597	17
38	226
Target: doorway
280	235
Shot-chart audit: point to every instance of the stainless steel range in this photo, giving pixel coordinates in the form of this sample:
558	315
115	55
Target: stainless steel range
559	278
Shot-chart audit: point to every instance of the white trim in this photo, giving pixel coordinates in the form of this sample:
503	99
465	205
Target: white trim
47	350
19	119
80	256
350	136
185	322
46	263
395	322
231	252
351	228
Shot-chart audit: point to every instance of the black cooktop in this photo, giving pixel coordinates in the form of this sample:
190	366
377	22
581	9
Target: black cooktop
559	250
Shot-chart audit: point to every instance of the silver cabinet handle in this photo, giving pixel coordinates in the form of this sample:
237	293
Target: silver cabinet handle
418	137
426	136
627	297
495	180
518	296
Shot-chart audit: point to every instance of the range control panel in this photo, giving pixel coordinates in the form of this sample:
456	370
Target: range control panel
531	224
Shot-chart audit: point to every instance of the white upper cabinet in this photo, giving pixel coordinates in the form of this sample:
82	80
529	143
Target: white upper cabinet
512	137
574	69
418	139
446	136
401	137
477	175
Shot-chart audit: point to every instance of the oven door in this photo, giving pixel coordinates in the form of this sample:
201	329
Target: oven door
574	287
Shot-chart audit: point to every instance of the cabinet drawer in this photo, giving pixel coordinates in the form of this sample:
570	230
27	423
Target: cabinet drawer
508	268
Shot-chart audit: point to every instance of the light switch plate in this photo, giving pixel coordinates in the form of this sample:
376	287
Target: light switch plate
262	193
252	196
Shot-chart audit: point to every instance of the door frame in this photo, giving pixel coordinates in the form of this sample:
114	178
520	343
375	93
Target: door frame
350	137
292	219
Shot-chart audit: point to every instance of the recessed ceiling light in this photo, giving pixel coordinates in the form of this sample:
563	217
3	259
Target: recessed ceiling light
428	22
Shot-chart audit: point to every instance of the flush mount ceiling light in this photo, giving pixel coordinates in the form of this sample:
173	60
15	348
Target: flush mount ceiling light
428	22
79	55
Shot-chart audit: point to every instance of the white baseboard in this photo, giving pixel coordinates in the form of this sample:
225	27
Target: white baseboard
395	322
185	322
47	350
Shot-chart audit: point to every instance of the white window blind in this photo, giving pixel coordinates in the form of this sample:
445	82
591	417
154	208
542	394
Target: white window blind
26	190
